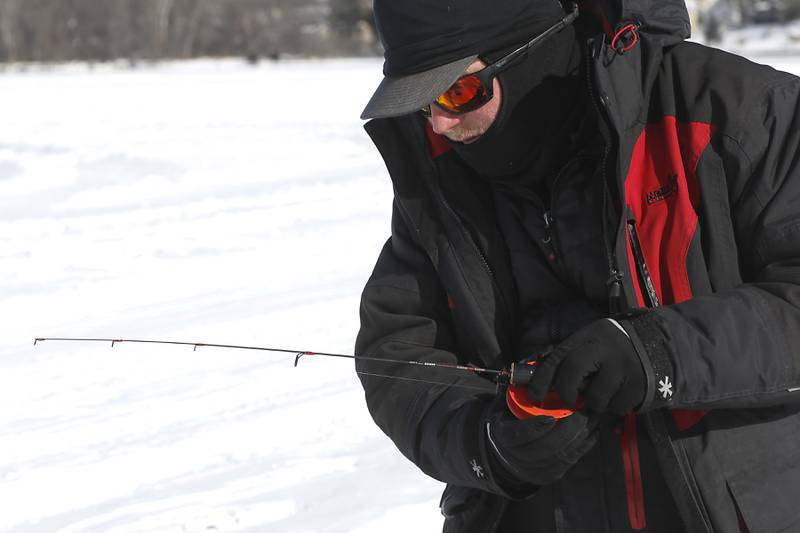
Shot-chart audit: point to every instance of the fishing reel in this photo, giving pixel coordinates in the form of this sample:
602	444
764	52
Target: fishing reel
519	402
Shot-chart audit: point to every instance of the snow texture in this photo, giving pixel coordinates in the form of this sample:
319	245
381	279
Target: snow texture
206	202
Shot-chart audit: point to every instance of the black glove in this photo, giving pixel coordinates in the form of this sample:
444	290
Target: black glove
537	451
598	361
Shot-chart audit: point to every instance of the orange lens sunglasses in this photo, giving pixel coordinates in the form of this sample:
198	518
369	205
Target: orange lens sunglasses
471	91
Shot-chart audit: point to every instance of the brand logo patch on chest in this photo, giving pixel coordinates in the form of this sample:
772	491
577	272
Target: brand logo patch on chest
665	192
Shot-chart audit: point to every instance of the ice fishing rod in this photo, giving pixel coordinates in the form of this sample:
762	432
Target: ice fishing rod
499	374
514	380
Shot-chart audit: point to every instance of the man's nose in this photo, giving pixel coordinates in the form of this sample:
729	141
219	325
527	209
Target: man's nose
442	121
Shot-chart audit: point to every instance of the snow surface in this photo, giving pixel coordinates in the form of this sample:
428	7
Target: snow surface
206	202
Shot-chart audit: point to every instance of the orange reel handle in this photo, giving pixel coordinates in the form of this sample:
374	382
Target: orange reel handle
521	405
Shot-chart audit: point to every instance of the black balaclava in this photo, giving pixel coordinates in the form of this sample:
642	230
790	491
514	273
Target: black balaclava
542	108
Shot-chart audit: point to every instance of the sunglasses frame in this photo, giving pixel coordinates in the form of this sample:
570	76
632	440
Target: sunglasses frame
487	74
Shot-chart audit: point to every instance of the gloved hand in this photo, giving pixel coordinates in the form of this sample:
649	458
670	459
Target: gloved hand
539	450
601	363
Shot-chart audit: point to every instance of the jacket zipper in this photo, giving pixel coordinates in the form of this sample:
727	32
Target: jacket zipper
614	282
628	441
629	444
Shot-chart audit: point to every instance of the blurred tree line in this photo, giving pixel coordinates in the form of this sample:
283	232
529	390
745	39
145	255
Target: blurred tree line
715	17
136	30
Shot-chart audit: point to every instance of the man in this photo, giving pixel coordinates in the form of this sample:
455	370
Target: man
584	188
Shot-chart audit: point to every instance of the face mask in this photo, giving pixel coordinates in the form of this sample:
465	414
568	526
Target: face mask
540	109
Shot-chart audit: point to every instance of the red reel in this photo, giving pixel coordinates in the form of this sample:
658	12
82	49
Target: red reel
521	405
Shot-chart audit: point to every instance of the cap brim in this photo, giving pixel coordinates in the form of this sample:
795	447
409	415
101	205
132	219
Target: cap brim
401	96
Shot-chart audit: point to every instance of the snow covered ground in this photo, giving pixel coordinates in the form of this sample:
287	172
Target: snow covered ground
207	202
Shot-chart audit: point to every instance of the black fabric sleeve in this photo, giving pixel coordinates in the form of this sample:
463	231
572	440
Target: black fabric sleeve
404	316
741	347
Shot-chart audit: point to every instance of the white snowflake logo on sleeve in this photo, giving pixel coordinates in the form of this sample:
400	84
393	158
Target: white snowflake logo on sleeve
666	388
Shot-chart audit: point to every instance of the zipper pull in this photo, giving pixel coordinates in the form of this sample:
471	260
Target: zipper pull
548	223
614	284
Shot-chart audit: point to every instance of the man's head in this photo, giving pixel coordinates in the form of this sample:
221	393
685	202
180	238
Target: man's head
431	44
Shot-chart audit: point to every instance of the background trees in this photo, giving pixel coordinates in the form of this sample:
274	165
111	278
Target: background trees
143	30
92	30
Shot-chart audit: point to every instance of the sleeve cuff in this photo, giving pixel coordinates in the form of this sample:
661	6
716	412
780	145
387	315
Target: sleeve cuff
649	343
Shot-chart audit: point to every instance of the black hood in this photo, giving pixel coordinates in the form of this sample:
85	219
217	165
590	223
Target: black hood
624	79
665	21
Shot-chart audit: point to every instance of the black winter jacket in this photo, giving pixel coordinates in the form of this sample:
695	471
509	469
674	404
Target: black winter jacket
704	273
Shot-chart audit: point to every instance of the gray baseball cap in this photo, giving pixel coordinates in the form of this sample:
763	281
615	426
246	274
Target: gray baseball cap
401	95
